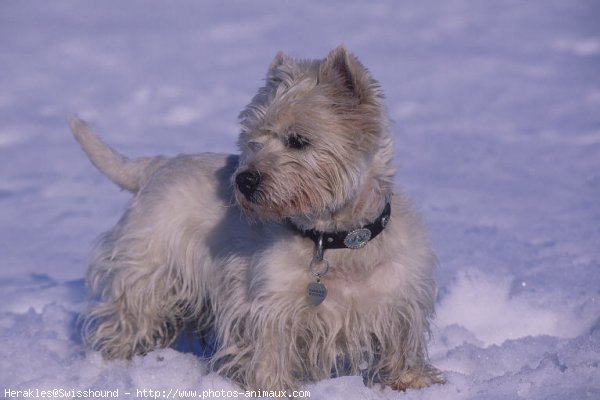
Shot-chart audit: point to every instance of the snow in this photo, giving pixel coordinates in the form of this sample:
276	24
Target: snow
496	116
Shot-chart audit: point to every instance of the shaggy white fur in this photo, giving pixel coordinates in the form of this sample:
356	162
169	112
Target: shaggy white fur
196	247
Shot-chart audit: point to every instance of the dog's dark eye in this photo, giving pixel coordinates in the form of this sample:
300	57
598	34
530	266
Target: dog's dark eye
297	142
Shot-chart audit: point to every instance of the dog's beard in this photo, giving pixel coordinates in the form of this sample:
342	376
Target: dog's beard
305	190
255	206
281	202
261	206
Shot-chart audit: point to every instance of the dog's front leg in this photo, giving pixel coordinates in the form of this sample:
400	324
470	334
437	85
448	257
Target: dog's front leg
256	350
271	366
417	377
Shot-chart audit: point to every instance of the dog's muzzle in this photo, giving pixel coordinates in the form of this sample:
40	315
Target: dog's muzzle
247	183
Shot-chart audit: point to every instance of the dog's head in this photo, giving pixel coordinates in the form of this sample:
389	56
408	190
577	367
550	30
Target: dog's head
310	138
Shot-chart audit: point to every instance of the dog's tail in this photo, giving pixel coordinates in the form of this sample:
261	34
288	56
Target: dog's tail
126	173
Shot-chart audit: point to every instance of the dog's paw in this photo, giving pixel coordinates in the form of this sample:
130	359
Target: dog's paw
418	378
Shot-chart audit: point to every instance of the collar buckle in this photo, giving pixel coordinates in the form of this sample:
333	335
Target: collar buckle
357	238
354	239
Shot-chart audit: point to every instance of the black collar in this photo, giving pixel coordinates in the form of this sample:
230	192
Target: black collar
354	239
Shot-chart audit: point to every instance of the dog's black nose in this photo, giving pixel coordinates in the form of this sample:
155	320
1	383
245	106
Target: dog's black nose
247	182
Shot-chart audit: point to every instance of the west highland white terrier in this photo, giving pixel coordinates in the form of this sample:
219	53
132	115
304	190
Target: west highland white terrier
298	254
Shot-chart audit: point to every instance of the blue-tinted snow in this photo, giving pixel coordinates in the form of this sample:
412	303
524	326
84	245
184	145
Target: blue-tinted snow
496	110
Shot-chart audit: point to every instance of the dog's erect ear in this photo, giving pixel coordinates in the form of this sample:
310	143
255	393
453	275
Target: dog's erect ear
279	69
278	61
344	70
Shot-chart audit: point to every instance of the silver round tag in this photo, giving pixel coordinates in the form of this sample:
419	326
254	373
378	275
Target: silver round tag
357	238
316	293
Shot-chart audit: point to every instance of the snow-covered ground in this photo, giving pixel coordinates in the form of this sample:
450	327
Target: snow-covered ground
496	109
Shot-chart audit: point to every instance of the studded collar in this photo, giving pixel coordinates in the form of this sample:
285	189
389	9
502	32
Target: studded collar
353	239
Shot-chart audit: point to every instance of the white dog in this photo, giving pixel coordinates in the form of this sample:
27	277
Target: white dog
297	253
